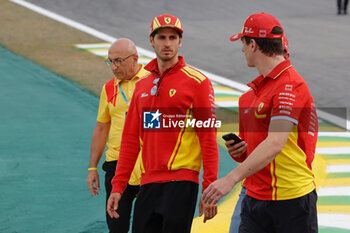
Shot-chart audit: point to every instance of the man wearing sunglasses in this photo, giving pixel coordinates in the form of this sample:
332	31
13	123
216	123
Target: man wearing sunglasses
172	156
114	104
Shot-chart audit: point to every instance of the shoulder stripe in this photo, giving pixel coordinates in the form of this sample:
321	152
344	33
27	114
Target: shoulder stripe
195	74
110	89
282	71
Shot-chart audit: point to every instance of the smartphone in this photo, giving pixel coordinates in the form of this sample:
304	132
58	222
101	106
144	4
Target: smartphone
232	136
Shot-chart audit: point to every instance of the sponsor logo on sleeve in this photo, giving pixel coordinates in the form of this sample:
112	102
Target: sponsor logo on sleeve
288	87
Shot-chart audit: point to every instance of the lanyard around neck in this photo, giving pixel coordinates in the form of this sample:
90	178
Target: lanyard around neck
121	90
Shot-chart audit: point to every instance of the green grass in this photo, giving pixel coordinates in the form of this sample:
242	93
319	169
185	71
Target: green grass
332	230
334	200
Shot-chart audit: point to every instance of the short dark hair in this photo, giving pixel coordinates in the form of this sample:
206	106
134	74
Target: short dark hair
153	34
269	47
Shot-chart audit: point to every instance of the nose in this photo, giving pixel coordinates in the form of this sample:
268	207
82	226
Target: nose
114	67
167	42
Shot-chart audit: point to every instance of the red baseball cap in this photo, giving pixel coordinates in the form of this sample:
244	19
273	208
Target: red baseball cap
166	20
285	43
259	26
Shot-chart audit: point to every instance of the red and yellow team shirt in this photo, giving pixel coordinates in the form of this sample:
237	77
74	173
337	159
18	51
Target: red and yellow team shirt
169	151
283	94
113	108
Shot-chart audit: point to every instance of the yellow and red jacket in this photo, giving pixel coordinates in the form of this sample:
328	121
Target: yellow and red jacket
113	108
169	152
282	94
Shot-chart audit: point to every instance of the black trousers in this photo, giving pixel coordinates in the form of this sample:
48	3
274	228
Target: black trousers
122	224
297	215
165	207
342	6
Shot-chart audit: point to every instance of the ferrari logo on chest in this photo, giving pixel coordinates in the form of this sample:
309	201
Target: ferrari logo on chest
172	92
261	105
256	113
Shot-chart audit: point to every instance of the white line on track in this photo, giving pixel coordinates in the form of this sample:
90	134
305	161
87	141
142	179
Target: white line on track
334	220
99	45
334	191
226	104
334	134
219	91
333	150
338	168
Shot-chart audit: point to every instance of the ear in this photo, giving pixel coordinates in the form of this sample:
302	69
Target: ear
180	42
286	55
151	41
136	58
253	45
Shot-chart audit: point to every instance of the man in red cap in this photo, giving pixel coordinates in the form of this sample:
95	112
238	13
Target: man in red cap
236	216
278	126
159	123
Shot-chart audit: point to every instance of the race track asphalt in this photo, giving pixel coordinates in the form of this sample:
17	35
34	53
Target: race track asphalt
318	37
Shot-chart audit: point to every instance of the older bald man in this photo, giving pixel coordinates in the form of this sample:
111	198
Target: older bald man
114	104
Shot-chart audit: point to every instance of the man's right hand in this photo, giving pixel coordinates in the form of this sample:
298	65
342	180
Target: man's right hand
236	150
93	178
209	210
112	204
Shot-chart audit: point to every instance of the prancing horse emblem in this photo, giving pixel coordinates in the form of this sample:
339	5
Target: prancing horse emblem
261	105
172	92
167	20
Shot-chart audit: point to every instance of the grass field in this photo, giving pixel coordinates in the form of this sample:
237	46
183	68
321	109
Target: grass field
51	44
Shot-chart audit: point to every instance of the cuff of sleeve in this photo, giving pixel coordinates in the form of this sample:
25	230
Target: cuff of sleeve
207	182
118	187
204	186
240	159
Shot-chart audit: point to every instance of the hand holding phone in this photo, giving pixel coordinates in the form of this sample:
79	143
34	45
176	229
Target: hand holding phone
232	136
235	153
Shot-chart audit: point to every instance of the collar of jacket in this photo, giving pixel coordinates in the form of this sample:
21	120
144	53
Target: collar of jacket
152	66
